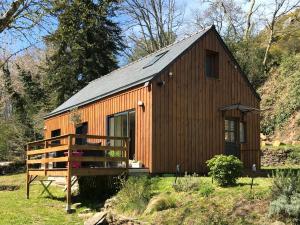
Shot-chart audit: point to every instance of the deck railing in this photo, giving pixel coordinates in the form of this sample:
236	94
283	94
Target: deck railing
79	155
82	154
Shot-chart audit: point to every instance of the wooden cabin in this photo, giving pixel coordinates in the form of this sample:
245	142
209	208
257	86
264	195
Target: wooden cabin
180	106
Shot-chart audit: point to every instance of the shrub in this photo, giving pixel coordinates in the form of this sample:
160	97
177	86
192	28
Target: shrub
286	195
135	194
206	189
187	183
159	203
225	169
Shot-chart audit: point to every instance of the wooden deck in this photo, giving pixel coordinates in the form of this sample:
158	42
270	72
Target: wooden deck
64	156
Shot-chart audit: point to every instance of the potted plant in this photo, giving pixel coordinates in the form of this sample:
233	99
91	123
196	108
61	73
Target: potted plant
75	117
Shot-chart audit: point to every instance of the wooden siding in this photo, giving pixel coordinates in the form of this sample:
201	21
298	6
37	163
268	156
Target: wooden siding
96	115
188	127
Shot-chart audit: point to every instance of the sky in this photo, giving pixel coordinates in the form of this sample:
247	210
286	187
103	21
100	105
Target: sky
15	44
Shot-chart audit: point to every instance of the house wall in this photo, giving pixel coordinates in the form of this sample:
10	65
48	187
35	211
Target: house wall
96	113
188	127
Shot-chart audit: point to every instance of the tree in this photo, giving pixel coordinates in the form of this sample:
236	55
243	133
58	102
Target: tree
278	9
84	45
24	21
150	24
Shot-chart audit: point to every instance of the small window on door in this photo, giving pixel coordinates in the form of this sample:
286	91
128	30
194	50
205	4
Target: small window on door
242	132
212	64
230	131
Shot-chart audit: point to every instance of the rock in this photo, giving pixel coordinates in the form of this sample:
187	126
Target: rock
263	144
263	137
97	219
86	210
278	223
76	205
277	143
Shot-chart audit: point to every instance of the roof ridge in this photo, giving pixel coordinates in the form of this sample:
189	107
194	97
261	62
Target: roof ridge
150	54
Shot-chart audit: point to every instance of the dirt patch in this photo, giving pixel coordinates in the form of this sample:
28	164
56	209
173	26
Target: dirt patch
244	207
9	187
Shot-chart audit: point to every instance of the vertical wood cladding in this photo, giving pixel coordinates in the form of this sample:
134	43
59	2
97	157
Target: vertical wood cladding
188	127
181	122
96	115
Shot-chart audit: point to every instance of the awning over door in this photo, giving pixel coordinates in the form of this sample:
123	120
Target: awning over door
240	107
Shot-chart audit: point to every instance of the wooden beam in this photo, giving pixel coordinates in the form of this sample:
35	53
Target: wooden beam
96	159
47	160
97	148
49	172
97	171
47	150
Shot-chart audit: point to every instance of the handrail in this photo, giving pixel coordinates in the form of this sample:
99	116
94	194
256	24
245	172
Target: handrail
78	136
42	154
49	139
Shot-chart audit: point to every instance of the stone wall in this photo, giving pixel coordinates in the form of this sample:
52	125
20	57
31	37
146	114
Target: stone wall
275	157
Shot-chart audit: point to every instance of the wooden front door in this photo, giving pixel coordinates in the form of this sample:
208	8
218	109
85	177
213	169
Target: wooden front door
232	144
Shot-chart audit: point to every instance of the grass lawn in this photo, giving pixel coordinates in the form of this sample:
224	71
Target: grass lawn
17	210
232	205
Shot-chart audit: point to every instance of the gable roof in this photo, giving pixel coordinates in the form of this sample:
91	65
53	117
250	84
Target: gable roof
133	74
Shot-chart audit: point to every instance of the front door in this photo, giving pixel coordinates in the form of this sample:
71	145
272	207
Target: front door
232	145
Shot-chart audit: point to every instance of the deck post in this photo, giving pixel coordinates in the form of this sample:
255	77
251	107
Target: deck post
27	173
69	176
45	158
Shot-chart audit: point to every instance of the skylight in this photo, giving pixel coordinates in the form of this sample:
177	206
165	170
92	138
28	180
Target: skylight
155	59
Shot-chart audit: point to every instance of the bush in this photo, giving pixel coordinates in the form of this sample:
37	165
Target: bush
286	195
206	189
135	194
187	183
159	203
225	169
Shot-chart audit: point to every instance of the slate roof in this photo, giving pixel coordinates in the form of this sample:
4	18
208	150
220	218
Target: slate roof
136	73
131	75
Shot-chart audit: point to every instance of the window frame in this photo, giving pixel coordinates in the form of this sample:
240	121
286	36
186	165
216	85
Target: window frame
215	70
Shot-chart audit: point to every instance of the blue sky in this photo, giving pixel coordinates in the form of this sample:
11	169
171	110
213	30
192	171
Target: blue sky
14	44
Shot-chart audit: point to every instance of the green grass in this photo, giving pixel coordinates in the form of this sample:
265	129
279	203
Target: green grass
15	209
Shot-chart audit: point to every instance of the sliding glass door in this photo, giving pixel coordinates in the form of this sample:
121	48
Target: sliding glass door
122	125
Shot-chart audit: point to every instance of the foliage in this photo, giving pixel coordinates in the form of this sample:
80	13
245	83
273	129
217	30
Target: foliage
286	195
97	187
249	55
187	183
85	46
113	153
281	94
135	194
206	189
225	169
75	117
160	202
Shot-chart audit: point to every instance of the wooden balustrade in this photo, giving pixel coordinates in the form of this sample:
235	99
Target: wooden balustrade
64	156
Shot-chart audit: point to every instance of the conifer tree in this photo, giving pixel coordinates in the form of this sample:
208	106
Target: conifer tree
85	45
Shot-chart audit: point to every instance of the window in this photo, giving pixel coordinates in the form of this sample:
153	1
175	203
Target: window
155	59
122	125
81	129
230	131
242	132
212	64
55	133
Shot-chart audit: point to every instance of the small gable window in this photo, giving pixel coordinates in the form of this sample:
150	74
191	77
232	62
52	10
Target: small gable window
211	64
155	59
